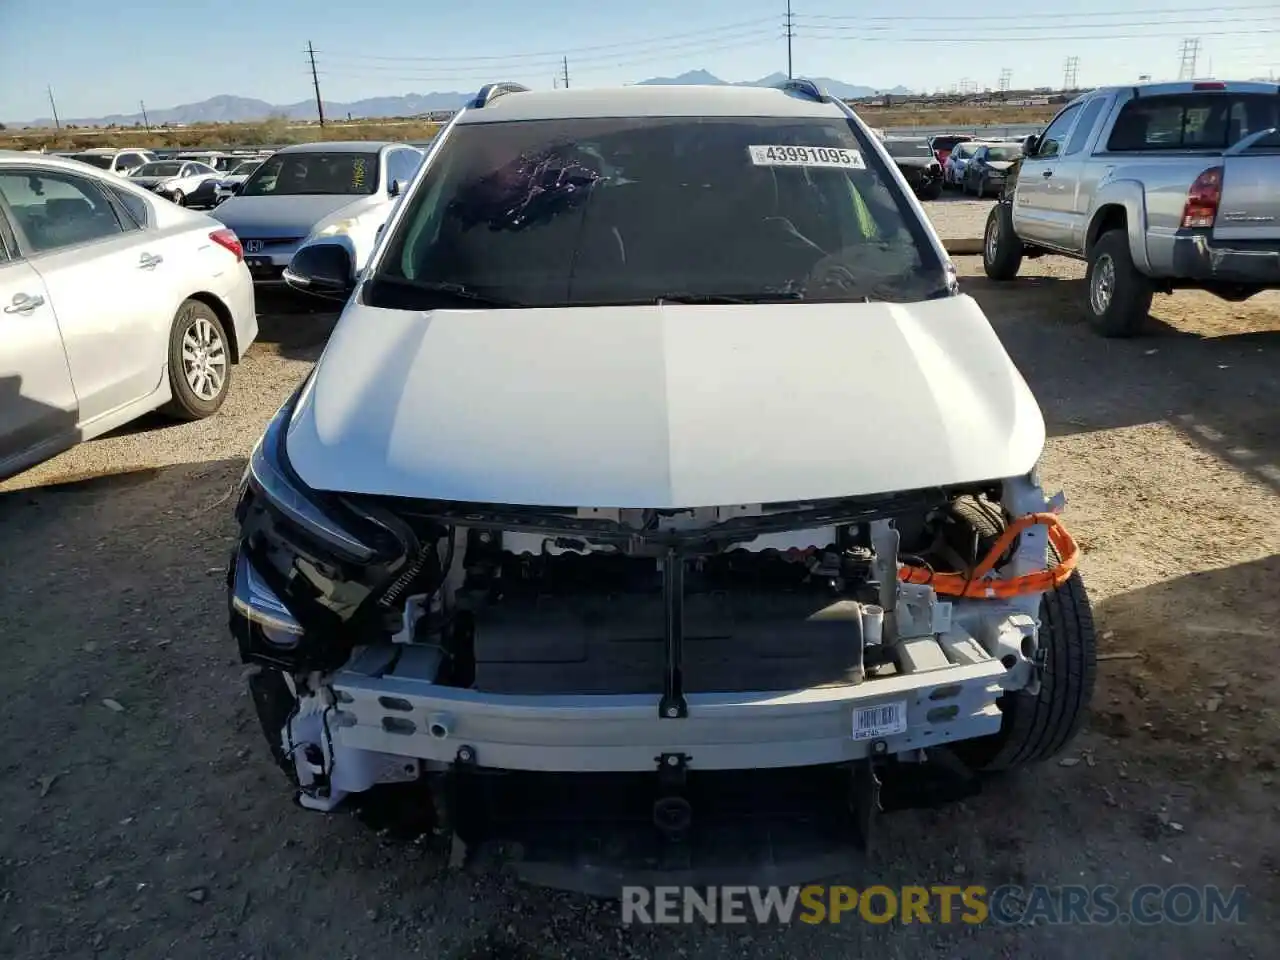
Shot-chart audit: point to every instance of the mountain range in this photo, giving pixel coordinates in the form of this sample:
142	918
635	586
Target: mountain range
232	109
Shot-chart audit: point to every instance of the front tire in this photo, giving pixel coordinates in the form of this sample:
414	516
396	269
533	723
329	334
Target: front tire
1118	296
932	192
1001	248
1038	727
199	363
179	198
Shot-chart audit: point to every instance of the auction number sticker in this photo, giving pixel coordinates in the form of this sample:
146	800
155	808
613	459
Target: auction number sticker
785	156
882	720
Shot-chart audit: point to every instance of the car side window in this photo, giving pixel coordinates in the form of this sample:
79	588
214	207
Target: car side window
134	205
1088	120
58	210
1054	138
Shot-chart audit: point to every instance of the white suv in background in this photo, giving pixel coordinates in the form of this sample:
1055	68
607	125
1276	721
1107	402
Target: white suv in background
119	162
115	303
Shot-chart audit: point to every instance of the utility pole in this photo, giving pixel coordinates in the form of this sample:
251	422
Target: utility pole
790	34
1190	53
54	107
315	82
145	122
566	73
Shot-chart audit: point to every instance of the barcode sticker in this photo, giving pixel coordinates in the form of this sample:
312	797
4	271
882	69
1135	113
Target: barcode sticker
882	720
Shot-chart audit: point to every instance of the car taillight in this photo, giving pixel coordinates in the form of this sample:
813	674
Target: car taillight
228	240
1202	199
1209	85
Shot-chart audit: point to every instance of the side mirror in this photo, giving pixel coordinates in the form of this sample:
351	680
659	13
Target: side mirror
1029	145
397	187
322	269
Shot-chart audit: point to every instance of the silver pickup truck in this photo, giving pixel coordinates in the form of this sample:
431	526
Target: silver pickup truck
1158	186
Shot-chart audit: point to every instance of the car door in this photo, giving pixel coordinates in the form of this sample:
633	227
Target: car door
1034	215
101	273
1075	179
37	401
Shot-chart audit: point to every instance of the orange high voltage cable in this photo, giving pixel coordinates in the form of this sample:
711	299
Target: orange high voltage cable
975	584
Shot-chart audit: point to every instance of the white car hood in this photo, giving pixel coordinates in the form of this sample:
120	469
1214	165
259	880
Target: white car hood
663	406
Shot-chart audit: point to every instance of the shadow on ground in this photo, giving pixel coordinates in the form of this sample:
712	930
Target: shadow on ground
1222	392
294	325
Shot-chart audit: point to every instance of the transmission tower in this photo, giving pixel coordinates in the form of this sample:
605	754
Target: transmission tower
1071	73
1190	53
1006	75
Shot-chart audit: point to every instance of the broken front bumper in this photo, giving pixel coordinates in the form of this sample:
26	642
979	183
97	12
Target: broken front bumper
386	704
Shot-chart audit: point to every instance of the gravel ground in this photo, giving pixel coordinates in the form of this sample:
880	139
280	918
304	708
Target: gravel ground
145	819
958	218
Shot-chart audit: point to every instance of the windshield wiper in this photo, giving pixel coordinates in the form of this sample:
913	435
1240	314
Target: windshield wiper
448	289
765	296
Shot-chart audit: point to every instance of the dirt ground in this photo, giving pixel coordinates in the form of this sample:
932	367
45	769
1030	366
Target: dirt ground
140	816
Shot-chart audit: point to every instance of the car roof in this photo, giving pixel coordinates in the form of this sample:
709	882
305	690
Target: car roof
656	100
342	146
48	161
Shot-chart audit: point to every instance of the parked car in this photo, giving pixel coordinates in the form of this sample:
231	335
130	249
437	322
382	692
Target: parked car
185	182
119	162
116	303
219	161
528	532
957	158
918	165
229	184
985	171
1157	187
342	190
943	143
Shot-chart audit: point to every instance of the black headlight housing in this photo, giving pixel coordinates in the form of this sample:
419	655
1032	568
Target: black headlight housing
308	565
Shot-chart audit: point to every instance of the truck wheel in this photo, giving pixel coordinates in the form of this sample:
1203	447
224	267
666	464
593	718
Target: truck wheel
932	192
1117	294
1036	728
1001	248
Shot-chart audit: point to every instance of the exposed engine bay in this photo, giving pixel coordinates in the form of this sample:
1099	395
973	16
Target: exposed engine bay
593	641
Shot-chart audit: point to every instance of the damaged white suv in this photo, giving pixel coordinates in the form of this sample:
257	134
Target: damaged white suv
656	480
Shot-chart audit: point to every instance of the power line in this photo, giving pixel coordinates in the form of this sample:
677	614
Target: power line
315	82
1155	11
1037	37
557	54
925	33
485	73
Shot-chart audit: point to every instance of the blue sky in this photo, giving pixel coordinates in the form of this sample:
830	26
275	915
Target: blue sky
103	57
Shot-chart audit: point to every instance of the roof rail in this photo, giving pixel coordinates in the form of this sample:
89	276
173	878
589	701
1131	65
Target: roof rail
805	87
492	91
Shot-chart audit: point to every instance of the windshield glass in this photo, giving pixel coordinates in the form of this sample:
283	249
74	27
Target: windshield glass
94	160
244	169
616	211
948	142
963	151
161	168
908	148
301	174
1001	154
